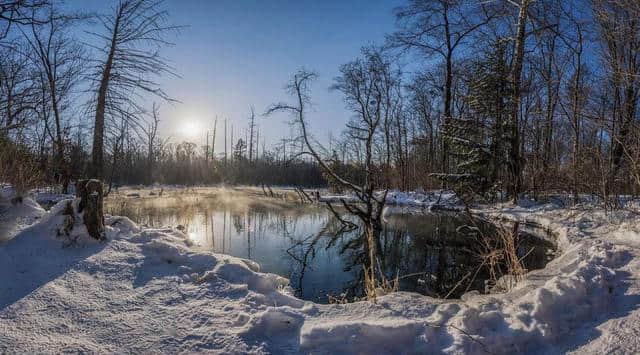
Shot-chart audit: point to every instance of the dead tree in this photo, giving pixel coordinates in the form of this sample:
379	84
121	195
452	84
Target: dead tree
213	139
225	143
368	86
133	34
252	125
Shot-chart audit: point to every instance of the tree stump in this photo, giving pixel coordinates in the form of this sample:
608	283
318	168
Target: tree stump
90	194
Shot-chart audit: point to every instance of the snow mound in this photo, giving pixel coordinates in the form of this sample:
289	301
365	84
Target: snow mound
14	217
152	282
544	309
154	290
65	224
370	337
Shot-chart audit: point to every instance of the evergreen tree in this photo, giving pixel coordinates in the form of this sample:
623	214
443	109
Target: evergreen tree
477	141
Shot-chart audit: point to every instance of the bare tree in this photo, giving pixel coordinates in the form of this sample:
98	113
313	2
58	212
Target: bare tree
151	139
210	150
21	12
514	161
252	125
369	86
421	96
133	34
225	141
619	27
577	93
18	91
549	66
213	139
60	58
117	149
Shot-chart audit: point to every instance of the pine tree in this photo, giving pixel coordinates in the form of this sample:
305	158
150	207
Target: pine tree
477	142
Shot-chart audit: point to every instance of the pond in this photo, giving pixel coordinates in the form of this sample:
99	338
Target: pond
440	255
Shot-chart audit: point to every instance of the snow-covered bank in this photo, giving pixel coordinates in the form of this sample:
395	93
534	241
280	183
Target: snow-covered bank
14	217
432	200
152	290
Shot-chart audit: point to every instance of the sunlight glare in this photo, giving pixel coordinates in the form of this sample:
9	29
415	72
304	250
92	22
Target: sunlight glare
190	128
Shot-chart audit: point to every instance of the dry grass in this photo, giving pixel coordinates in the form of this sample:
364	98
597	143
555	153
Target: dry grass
19	168
499	254
375	286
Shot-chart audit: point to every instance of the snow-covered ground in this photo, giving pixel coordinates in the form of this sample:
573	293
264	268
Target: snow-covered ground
15	218
152	290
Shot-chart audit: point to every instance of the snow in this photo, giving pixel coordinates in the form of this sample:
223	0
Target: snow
153	290
50	196
16	217
432	200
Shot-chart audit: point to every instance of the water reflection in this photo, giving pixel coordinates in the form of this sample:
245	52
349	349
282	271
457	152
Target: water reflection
429	254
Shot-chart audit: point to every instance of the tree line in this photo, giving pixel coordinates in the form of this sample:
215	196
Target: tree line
489	98
499	99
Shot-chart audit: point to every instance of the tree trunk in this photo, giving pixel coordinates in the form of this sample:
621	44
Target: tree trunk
514	149
447	91
621	138
97	153
90	194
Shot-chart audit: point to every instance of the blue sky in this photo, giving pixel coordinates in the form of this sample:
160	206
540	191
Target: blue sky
240	53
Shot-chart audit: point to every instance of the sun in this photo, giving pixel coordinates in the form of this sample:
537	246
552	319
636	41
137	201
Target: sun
190	128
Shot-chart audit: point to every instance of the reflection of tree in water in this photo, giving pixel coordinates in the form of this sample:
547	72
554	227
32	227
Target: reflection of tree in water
238	222
399	253
430	262
304	250
438	255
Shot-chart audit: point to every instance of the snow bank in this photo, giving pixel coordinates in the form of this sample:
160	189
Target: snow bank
433	200
153	290
151	284
14	217
45	196
536	316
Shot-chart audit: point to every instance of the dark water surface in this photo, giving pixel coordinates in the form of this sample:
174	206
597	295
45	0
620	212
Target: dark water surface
431	254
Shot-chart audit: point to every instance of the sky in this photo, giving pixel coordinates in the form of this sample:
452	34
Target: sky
237	53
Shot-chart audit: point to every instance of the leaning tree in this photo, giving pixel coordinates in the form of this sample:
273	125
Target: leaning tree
132	34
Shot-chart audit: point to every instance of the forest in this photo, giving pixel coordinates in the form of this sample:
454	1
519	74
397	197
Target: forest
477	191
495	98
